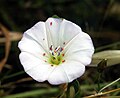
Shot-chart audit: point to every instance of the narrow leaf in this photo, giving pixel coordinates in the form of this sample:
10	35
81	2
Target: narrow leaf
112	56
110	84
33	93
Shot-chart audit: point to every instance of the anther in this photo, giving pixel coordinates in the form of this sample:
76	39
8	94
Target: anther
61	49
56	49
51	23
63	61
52	53
43	54
63	43
45	61
63	54
58	53
51	47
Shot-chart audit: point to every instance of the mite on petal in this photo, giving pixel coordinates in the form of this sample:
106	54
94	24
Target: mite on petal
56	51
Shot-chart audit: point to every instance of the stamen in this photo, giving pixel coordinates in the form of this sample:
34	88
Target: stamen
51	47
58	53
56	49
63	54
50	23
52	53
61	49
44	54
45	61
63	61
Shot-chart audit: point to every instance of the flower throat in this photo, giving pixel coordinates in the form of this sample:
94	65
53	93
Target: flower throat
56	56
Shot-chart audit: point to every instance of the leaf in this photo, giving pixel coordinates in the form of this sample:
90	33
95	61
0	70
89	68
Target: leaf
76	86
33	93
102	65
110	84
112	57
76	89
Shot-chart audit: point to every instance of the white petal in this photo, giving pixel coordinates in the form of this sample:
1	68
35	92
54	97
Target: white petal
52	28
66	72
68	31
35	67
73	69
27	44
80	48
58	76
38	34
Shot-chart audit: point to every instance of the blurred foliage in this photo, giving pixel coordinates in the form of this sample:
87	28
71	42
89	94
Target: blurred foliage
22	14
99	18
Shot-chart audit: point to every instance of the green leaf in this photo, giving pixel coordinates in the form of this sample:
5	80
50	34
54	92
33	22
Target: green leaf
76	86
14	75
33	93
102	65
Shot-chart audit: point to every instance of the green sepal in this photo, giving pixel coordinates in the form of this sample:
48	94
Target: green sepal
55	16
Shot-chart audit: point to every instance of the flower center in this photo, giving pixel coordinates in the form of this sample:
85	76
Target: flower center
56	56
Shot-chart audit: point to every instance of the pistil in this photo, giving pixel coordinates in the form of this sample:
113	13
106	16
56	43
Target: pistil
56	55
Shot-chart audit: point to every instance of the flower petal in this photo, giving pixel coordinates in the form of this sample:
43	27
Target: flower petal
35	67
68	30
73	69
66	72
58	76
80	48
38	34
52	28
27	44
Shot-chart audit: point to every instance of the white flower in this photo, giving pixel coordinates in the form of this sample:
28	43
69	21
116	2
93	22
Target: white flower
56	50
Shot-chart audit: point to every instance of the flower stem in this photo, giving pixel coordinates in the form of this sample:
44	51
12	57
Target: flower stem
109	84
101	94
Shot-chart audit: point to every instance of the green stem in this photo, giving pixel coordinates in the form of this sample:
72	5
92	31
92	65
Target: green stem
68	91
109	84
98	81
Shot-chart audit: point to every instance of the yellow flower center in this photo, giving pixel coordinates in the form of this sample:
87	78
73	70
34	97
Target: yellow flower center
56	56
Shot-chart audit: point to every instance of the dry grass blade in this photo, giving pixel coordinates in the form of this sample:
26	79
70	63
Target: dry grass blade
101	94
7	46
112	57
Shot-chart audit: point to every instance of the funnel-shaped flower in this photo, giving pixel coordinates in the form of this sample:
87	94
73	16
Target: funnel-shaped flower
56	50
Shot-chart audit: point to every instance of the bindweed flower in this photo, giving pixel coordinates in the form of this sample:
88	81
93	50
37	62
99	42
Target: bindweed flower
56	50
